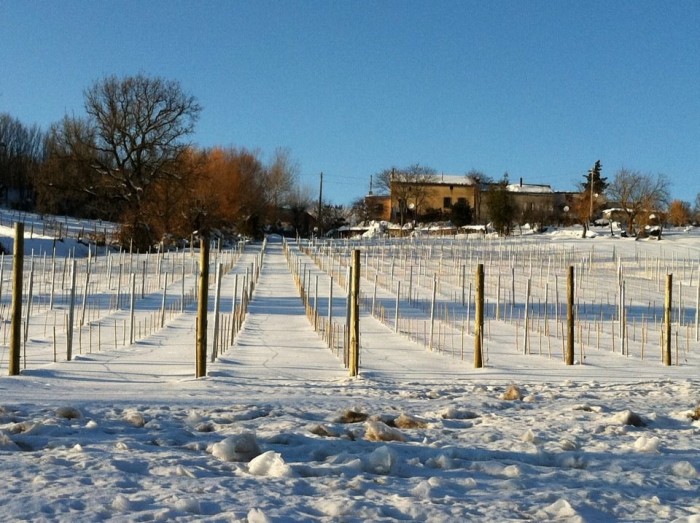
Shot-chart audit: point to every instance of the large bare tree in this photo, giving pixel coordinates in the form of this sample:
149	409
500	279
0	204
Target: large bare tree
132	137
638	195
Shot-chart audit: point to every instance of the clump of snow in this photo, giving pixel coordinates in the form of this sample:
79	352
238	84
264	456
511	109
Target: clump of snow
558	511
68	413
627	417
381	460
6	443
379	431
352	416
239	447
406	421
323	431
512	393
684	469
135	418
695	415
255	515
646	444
454	412
122	503
530	437
189	505
270	464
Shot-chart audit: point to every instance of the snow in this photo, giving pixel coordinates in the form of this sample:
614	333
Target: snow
278	430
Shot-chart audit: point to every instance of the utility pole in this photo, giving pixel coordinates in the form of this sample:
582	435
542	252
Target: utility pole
320	205
590	212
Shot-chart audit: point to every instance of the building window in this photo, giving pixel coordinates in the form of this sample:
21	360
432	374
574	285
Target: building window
446	202
462	201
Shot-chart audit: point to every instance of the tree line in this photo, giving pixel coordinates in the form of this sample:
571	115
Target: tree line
128	159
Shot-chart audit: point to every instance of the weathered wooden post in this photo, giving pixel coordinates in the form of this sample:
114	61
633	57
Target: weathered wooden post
16	314
203	296
432	314
71	311
667	320
479	318
132	308
355	314
398	298
217	307
569	358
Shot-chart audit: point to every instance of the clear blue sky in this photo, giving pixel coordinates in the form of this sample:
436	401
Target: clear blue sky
540	89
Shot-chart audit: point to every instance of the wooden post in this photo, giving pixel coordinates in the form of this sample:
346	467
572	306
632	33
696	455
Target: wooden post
201	349
16	314
217	307
526	334
667	320
132	309
355	314
71	311
398	298
479	318
569	359
432	313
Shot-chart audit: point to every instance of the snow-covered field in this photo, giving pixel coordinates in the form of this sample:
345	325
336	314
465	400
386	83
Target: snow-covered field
278	431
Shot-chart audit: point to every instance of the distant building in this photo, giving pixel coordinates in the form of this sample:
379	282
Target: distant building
436	196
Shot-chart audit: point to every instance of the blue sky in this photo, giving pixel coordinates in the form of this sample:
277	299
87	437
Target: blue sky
538	89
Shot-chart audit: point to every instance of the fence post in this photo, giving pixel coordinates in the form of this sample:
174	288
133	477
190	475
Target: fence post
355	314
201	349
71	311
16	323
569	360
479	318
667	320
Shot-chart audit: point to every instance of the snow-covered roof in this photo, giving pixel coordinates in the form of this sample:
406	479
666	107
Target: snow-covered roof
530	188
447	179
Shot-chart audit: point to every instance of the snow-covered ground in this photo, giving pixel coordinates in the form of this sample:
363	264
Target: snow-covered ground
278	431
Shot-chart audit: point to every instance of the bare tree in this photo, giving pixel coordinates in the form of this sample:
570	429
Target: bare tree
21	153
132	137
409	187
639	195
679	213
281	179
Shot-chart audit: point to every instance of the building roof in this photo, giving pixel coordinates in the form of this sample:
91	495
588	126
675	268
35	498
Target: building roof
529	188
445	179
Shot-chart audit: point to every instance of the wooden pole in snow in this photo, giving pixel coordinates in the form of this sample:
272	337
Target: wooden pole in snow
667	320
16	314
71	312
479	317
355	314
569	358
203	295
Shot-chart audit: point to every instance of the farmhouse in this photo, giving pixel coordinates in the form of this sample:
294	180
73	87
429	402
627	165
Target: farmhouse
435	196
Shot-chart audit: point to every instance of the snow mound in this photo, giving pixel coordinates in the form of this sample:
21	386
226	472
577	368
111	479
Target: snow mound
240	447
645	444
559	510
68	413
512	393
255	515
684	469
627	417
381	461
270	464
378	431
6	443
406	421
134	418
